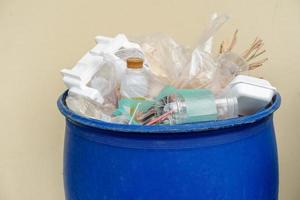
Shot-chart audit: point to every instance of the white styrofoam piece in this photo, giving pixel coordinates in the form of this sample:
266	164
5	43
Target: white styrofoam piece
252	81
77	78
252	93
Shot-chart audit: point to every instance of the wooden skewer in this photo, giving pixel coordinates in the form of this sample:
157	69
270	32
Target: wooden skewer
252	67
233	41
221	47
247	50
258	43
257	64
260	53
255	54
224	46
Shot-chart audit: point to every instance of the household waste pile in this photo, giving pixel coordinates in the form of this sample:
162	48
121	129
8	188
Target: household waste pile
154	80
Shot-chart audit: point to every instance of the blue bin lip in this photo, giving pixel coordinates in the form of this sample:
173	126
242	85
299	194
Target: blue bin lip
182	128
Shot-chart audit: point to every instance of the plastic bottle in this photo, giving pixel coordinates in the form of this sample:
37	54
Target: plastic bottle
134	83
227	107
244	95
222	108
187	105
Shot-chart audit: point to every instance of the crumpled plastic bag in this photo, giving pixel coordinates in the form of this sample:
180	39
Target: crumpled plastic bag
105	82
229	66
88	108
164	57
201	72
178	65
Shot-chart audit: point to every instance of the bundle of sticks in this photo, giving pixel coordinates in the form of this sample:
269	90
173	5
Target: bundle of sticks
255	50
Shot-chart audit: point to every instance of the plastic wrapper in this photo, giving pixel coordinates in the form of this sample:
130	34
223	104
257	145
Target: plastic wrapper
165	58
202	67
206	39
105	81
178	65
200	76
229	66
88	108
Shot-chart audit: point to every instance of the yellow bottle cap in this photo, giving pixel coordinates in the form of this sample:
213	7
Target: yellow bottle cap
135	63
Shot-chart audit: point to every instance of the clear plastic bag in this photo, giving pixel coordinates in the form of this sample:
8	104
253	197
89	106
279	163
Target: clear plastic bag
178	65
105	81
165	58
202	67
88	108
229	66
206	39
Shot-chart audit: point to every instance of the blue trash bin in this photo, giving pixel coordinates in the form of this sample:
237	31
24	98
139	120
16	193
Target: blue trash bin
234	159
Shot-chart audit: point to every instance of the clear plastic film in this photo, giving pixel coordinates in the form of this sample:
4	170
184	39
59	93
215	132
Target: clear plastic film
202	67
177	65
229	66
206	39
88	108
164	56
105	81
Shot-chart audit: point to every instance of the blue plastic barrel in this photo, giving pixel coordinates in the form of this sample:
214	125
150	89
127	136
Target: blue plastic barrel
234	159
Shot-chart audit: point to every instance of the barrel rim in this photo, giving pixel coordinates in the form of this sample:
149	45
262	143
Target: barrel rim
182	128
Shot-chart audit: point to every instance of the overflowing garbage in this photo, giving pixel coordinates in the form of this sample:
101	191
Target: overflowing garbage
154	80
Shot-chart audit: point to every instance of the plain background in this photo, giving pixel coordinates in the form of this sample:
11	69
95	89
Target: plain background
38	38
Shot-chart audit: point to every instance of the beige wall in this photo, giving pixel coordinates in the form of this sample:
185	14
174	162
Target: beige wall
38	38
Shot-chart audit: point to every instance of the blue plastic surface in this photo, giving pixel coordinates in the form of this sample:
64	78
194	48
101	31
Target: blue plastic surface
233	159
